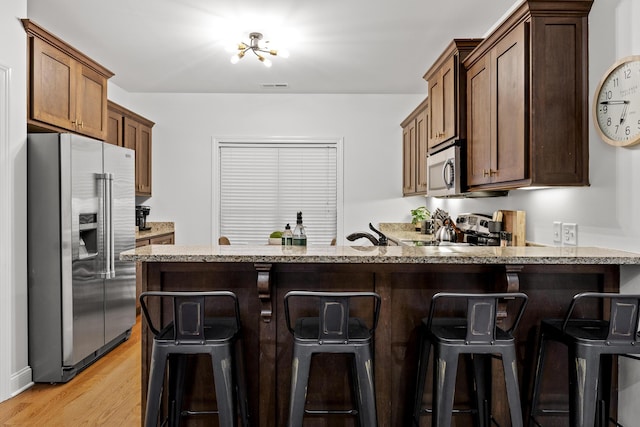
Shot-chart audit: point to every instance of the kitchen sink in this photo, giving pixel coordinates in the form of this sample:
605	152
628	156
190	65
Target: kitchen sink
430	243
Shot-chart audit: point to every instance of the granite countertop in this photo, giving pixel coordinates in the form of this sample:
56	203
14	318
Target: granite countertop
157	229
381	254
400	231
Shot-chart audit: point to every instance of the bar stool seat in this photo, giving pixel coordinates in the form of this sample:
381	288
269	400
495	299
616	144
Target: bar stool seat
333	331
591	343
188	331
477	336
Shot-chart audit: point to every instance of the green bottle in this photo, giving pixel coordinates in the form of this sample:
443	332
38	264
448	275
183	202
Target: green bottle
299	233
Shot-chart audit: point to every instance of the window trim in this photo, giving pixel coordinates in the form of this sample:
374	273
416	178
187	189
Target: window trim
274	140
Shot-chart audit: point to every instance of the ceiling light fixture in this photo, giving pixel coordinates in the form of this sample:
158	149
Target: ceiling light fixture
254	46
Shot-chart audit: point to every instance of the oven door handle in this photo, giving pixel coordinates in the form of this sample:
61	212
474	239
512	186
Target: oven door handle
448	173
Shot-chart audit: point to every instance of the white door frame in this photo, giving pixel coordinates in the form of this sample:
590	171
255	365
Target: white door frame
6	261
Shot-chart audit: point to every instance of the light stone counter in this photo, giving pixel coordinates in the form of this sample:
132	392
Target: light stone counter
157	229
382	254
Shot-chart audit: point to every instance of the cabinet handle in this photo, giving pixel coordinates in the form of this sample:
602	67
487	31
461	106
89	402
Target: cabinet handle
493	173
81	124
485	172
73	122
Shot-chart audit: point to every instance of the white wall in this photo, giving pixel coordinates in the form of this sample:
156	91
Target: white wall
186	124
14	370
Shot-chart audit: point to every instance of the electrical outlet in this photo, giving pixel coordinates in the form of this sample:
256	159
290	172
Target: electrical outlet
557	232
570	234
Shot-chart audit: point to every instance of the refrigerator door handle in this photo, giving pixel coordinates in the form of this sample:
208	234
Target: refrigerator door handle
112	240
105	196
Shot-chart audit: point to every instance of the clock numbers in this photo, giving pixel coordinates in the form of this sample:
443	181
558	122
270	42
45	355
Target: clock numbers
617	103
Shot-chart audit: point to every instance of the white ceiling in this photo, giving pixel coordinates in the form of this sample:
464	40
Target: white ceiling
336	46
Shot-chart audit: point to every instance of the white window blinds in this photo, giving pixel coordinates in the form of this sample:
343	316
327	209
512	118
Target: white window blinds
263	185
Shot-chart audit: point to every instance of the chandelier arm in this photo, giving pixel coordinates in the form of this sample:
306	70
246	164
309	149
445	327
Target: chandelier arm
256	53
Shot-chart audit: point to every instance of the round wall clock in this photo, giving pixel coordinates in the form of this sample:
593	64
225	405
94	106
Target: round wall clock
616	104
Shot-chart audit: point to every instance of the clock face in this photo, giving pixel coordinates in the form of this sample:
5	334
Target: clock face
617	103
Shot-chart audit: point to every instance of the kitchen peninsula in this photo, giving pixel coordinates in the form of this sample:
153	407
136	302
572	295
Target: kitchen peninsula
405	277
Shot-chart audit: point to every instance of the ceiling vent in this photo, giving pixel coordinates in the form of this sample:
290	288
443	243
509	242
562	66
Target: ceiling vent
274	85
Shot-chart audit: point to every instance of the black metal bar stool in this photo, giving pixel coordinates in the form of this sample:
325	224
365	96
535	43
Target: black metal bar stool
478	336
591	343
333	331
190	332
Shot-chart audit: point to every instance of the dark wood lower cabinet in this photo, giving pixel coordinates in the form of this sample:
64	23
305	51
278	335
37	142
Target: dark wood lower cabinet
406	290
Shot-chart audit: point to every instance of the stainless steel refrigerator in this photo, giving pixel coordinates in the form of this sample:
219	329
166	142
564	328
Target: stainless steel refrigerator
81	215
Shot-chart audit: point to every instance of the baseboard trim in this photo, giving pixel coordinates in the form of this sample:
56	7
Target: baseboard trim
20	381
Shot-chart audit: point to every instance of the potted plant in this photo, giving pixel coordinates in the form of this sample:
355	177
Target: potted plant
418	215
275	238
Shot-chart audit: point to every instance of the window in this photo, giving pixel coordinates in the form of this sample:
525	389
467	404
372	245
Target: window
262	184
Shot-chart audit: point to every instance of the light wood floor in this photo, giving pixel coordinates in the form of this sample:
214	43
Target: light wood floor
106	393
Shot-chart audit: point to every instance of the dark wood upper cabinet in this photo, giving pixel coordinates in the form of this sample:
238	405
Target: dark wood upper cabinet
447	94
414	151
527	99
67	91
130	130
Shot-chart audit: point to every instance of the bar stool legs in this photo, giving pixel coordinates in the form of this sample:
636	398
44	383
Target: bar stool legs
188	332
363	385
154	391
300	366
445	373
478	338
333	330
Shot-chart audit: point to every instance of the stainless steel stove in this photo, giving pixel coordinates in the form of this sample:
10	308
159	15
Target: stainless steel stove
475	228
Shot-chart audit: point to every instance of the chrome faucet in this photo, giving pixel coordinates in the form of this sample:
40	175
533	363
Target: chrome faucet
382	241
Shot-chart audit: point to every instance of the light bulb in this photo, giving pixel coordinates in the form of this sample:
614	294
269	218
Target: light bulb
266	62
283	53
235	59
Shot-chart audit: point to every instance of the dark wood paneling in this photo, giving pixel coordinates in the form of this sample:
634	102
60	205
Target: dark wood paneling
406	291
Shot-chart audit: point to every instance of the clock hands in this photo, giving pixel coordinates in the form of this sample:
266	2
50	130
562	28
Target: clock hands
624	102
623	116
615	102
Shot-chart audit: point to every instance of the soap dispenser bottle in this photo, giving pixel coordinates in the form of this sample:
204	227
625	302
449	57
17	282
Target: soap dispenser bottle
299	233
287	236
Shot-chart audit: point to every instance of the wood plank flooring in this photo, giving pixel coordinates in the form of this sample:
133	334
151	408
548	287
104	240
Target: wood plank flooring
106	393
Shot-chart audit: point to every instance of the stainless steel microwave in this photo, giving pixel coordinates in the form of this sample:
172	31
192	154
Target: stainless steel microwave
445	172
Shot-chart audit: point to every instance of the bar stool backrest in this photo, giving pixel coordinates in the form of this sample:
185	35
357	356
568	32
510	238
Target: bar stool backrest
187	323
623	314
333	313
481	313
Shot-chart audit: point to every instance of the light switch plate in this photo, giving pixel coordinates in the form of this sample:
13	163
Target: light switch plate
570	234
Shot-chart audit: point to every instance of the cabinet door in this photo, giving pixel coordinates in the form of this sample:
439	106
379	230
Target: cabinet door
143	161
91	103
140	243
509	157
53	82
162	240
479	122
435	112
442	104
421	151
448	78
408	158
131	134
114	128
138	137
